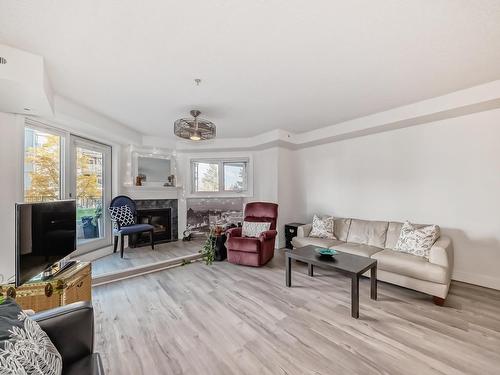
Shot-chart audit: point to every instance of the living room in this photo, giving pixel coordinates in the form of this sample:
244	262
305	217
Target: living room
250	188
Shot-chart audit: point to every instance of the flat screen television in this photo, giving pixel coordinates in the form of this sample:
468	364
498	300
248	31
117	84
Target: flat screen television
45	234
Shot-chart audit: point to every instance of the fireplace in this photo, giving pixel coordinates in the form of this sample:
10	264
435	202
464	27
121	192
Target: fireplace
162	215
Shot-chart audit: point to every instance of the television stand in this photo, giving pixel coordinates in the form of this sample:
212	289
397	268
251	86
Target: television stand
71	285
57	269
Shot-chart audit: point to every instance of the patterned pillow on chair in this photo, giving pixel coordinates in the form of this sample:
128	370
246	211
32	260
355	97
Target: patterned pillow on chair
122	215
254	229
24	347
322	227
417	241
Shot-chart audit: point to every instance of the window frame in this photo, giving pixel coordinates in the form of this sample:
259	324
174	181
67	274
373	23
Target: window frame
247	189
63	154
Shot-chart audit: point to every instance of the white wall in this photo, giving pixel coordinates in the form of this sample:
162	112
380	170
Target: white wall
265	184
447	173
290	192
11	159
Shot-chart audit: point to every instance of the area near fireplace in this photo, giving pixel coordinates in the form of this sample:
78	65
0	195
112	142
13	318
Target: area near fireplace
163	215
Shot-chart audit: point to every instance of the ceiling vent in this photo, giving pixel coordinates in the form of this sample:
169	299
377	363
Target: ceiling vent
3	60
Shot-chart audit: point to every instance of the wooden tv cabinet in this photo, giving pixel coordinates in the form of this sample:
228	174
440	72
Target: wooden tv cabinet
72	285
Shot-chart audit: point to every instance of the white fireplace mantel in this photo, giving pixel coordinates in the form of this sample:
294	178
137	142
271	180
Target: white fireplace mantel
152	192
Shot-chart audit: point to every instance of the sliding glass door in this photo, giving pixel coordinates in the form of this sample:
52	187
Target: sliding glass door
90	186
58	165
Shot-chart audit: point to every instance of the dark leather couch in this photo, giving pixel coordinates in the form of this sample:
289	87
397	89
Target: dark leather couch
71	329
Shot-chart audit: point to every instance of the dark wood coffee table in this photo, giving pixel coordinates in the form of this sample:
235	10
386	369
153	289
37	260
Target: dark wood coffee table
350	265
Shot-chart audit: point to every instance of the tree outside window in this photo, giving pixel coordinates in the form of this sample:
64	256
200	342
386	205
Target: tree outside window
42	171
219	176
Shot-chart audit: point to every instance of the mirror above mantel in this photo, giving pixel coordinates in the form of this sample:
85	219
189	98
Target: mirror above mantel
151	169
154	170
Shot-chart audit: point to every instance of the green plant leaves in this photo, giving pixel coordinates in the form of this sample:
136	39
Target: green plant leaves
208	249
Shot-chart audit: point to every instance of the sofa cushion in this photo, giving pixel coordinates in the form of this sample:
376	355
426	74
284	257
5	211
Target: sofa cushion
366	232
322	242
356	249
393	232
341	228
410	265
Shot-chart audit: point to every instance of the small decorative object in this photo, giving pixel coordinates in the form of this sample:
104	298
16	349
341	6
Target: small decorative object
187	235
171	180
208	250
139	179
326	252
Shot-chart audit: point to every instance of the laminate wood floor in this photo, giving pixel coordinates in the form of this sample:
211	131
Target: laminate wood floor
143	255
228	319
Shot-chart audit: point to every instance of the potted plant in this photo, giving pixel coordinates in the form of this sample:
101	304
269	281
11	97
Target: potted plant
208	249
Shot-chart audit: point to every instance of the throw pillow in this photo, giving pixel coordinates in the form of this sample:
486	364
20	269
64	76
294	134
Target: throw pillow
417	241
24	347
254	229
123	215
322	227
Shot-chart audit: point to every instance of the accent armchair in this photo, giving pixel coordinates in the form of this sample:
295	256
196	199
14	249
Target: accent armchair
119	229
254	251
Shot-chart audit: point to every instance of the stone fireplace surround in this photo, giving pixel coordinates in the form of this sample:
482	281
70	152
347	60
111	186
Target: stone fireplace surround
172	204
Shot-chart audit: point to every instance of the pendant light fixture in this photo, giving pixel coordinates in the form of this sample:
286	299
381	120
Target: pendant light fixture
194	129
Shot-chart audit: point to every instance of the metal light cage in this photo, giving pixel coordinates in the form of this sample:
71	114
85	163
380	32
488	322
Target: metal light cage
195	129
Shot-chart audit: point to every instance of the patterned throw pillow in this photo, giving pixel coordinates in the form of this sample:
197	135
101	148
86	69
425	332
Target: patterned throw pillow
322	227
24	347
254	229
122	215
417	241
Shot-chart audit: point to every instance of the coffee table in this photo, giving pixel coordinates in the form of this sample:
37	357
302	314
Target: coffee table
350	265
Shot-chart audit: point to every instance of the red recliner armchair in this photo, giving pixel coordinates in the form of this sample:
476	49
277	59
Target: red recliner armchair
251	251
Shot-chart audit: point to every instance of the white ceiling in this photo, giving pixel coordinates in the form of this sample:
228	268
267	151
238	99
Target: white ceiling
265	64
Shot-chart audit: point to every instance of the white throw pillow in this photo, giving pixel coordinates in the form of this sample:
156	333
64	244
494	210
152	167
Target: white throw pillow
254	229
417	241
24	347
322	227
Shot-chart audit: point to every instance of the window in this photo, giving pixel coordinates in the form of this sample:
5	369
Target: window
206	177
235	174
218	176
42	165
60	165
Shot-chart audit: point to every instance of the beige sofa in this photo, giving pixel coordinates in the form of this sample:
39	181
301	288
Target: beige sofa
377	239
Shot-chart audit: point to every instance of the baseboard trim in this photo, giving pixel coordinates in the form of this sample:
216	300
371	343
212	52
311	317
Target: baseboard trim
131	272
95	254
481	280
